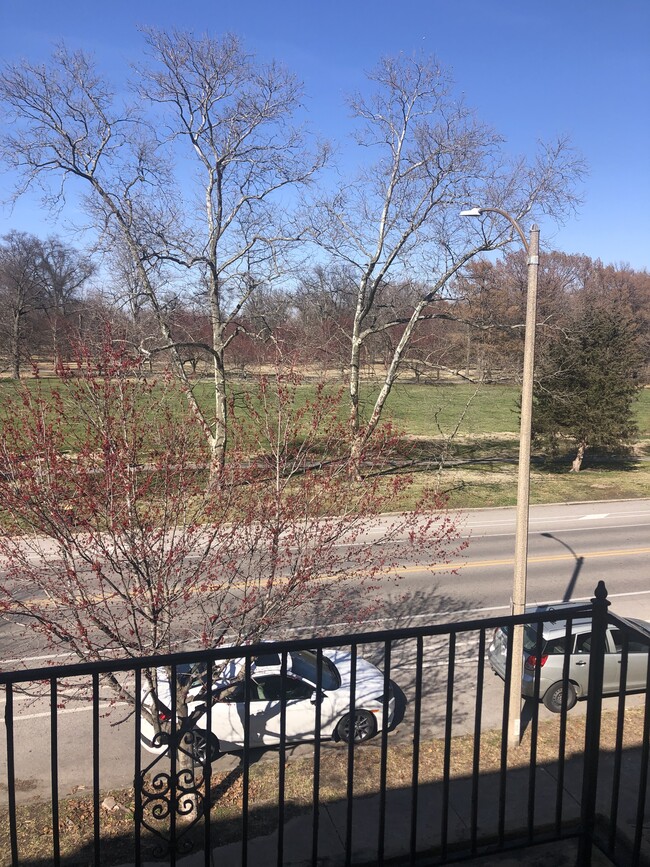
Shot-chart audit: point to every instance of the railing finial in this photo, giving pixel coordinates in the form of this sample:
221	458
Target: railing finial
600	593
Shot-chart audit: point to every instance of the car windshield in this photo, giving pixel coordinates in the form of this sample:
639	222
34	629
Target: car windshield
304	665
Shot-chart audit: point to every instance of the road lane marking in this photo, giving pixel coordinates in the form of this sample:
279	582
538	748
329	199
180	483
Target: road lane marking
426	615
44	656
60	712
415	570
541	530
483	564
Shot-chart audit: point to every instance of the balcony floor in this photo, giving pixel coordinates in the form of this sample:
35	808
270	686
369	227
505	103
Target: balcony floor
561	853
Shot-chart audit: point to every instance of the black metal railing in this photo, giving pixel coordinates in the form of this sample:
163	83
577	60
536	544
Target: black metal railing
446	785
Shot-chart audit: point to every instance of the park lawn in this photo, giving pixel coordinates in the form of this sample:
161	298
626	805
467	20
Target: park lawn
480	457
432	410
437	410
473	432
420	410
50	389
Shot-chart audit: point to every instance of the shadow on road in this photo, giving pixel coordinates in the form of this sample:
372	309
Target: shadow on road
568	593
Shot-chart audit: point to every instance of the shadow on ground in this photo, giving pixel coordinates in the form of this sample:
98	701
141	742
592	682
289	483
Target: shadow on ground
489	813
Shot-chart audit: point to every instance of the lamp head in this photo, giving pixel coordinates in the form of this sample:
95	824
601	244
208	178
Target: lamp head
472	212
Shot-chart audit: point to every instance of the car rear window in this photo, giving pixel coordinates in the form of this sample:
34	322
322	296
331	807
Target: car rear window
530	636
553	646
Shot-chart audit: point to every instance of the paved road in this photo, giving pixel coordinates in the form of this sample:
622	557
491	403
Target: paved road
571	548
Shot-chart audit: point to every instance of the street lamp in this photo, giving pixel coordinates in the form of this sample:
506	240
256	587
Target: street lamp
523	474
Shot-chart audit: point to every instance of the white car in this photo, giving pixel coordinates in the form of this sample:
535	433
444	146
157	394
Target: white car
265	692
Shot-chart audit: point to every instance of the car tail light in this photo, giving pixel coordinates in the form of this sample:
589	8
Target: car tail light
532	661
163	717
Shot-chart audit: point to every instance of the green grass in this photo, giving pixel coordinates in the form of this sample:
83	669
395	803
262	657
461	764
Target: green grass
490	409
481	456
422	410
431	410
477	432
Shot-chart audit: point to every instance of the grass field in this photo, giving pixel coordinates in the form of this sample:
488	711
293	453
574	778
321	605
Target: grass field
472	433
476	432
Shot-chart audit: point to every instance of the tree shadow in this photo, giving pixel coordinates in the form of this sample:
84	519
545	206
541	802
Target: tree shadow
422	607
619	459
429	453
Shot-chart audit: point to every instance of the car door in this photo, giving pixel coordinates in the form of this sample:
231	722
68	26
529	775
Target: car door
637	660
580	664
612	665
579	667
229	715
300	708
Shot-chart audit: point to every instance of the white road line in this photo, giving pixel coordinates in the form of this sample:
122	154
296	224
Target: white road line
629	593
37	658
552	529
68	710
437	615
478	522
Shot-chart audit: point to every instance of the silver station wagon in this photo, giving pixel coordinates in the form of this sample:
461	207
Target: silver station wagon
551	658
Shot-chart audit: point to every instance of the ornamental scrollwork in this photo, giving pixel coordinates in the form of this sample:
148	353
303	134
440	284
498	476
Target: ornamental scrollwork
171	792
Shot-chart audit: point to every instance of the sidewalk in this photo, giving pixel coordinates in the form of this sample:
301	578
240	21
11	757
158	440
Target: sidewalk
297	844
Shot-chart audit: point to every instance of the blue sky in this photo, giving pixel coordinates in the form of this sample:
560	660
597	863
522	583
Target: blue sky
532	71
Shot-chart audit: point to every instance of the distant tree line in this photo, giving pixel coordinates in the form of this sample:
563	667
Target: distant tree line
52	298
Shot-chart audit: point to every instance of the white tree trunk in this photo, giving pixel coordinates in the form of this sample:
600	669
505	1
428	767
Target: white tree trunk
577	461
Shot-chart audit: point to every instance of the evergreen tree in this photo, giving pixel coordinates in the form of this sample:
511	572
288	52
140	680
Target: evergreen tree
587	383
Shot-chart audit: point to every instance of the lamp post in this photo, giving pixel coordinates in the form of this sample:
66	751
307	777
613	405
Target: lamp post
518	604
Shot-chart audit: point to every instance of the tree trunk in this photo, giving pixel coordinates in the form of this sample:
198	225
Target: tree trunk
358	442
15	346
577	461
354	385
362	435
220	440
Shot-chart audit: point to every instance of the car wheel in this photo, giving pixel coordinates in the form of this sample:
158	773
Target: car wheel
200	743
553	697
365	727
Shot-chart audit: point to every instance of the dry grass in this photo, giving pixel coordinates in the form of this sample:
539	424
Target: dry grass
76	813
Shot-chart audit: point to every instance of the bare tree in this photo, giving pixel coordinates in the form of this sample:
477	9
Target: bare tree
233	116
40	283
112	542
325	303
21	290
201	199
64	271
400	218
68	126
